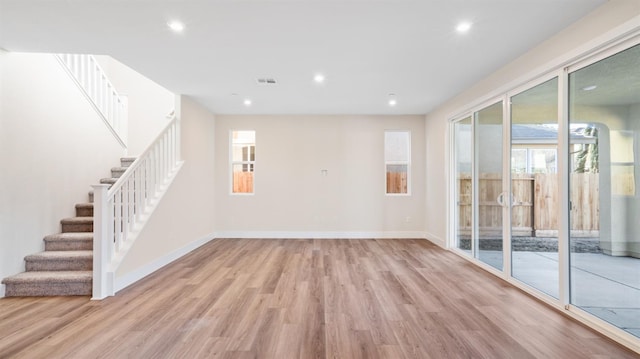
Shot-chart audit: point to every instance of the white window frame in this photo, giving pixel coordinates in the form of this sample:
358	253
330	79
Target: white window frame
249	162
407	163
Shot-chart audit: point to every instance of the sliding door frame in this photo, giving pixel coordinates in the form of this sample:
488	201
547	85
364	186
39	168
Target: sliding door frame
594	52
471	113
563	178
576	312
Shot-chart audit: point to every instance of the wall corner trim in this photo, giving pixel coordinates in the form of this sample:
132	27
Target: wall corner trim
135	275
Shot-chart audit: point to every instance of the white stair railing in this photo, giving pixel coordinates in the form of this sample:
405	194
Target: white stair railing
121	211
100	92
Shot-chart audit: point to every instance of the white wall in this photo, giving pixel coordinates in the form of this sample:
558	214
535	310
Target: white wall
293	199
184	218
571	40
149	103
53	146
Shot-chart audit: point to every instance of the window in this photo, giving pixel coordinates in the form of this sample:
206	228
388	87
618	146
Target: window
533	160
243	161
397	157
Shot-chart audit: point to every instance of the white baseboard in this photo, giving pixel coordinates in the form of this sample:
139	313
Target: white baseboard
2	290
319	235
436	240
132	277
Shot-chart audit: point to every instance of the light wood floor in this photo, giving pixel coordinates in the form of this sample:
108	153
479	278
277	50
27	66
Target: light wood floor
303	299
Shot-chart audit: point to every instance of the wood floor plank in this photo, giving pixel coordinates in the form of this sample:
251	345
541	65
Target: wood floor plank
303	298
267	336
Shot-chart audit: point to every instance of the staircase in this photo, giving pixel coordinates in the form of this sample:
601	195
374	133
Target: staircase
65	267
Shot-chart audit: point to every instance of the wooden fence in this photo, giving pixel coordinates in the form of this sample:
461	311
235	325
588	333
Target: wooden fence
397	182
535	209
242	182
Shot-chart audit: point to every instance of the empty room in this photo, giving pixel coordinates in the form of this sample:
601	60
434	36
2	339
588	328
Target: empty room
320	179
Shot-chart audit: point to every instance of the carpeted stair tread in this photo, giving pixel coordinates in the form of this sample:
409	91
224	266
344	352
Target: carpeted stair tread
108	180
59	255
78	220
59	261
59	276
69	241
49	283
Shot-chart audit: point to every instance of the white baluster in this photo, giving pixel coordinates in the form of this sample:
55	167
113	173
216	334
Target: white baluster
163	158
131	203
125	211
118	219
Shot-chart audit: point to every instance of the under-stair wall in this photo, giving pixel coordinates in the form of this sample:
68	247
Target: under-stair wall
52	147
184	218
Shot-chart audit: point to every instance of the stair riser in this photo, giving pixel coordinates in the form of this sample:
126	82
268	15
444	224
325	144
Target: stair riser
126	162
116	173
54	246
47	289
84	212
59	265
69	228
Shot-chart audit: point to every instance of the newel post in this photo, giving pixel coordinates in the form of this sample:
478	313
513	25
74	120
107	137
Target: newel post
102	247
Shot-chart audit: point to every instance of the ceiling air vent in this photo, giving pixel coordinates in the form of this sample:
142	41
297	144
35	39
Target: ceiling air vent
266	81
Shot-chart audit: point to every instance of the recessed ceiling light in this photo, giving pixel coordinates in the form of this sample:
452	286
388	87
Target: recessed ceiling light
319	78
590	88
392	100
463	27
176	26
247	102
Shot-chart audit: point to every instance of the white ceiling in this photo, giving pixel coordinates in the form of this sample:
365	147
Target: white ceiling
367	49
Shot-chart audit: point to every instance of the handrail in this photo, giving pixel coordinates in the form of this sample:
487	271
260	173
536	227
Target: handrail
102	95
121	211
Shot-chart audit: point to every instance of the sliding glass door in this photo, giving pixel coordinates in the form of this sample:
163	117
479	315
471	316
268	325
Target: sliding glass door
478	194
604	115
547	189
534	187
489	194
463	183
